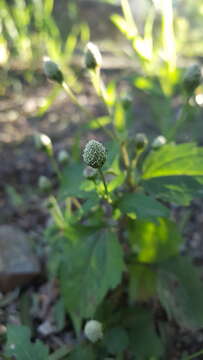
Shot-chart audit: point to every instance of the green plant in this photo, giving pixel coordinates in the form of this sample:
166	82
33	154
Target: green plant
155	52
114	244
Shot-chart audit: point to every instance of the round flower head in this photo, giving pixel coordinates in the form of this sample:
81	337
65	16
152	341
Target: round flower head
192	78
52	71
141	141
93	58
63	157
158	142
93	330
94	154
44	183
43	142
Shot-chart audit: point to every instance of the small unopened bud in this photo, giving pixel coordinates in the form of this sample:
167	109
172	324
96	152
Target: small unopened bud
63	157
158	142
93	58
93	330
141	141
43	142
94	154
90	173
192	79
126	101
52	71
44	183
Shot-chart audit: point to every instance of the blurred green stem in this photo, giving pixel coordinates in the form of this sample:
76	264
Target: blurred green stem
180	120
75	101
104	182
55	167
193	356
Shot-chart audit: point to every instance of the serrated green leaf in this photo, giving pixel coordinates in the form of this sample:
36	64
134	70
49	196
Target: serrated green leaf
180	291
154	241
143	332
180	190
171	160
92	268
19	344
83	353
116	340
144	206
72	179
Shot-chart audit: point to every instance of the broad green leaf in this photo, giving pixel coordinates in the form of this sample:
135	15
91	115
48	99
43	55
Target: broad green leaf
144	341
19	344
155	241
180	291
116	340
83	352
142	282
142	205
171	160
71	181
117	181
180	190
89	270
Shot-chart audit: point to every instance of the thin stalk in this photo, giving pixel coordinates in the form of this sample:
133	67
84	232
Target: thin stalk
194	355
74	99
104	182
55	167
180	120
124	152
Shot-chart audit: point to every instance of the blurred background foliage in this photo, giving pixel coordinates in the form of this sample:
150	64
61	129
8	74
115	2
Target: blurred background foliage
150	41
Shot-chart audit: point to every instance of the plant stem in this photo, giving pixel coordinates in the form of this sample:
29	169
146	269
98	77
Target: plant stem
180	120
55	167
75	101
190	357
104	182
124	152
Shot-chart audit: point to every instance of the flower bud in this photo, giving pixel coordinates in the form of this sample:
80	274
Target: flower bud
90	173
44	183
93	58
94	154
158	142
192	79
63	157
93	330
52	71
43	142
126	101
141	141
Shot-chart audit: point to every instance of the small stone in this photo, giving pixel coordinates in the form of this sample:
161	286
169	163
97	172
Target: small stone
18	263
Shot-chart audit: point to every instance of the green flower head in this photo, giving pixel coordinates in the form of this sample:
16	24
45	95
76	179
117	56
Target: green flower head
52	71
93	58
94	154
141	141
192	79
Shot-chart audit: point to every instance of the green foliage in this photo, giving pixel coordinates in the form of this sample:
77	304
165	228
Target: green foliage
92	271
113	241
181	293
19	344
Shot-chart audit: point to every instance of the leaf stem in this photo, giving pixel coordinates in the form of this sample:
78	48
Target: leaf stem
75	101
190	357
104	182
